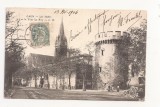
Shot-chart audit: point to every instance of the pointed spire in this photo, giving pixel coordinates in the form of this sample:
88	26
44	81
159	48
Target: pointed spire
61	42
61	39
61	31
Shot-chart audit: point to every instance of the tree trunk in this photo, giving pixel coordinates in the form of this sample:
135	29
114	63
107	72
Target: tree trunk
69	82
56	83
8	81
84	83
48	81
35	77
63	83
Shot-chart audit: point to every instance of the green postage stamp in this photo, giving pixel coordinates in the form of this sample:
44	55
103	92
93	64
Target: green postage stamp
39	34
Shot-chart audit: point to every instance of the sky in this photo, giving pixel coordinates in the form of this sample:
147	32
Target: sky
80	25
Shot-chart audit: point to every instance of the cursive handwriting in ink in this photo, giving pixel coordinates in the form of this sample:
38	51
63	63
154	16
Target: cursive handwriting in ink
65	11
125	20
90	21
73	37
121	21
110	19
97	17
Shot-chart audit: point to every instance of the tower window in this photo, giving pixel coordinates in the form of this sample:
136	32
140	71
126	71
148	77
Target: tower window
100	69
102	52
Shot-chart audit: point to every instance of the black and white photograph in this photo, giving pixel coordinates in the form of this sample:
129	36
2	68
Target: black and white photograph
75	54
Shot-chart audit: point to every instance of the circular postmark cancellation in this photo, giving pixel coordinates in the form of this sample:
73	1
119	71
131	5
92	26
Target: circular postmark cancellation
39	34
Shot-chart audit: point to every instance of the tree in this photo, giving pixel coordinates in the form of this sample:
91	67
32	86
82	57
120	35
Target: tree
23	73
85	69
71	64
90	47
35	67
14	50
132	51
91	50
66	66
137	51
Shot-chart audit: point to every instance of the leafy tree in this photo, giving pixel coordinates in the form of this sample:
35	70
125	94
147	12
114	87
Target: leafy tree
66	66
71	64
132	51
14	50
137	51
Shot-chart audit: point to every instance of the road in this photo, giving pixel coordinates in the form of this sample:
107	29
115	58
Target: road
39	93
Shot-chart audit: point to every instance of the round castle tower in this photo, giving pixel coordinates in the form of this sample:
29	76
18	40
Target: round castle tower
108	60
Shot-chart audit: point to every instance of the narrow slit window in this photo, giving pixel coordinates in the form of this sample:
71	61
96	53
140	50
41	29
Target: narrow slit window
100	69
102	52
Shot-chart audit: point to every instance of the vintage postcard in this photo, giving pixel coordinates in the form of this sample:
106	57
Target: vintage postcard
75	54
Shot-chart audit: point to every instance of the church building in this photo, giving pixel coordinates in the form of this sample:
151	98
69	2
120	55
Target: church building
63	71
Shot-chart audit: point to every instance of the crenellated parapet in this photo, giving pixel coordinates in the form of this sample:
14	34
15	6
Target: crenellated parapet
109	37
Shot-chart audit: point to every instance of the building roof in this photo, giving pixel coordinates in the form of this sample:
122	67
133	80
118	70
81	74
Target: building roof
40	60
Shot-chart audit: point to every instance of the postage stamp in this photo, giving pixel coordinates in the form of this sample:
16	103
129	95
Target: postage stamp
39	34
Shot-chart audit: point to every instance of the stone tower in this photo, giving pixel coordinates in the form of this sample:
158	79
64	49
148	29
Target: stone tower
108	60
61	43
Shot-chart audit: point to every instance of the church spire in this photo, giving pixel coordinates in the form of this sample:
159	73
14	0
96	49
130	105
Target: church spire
61	42
61	31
